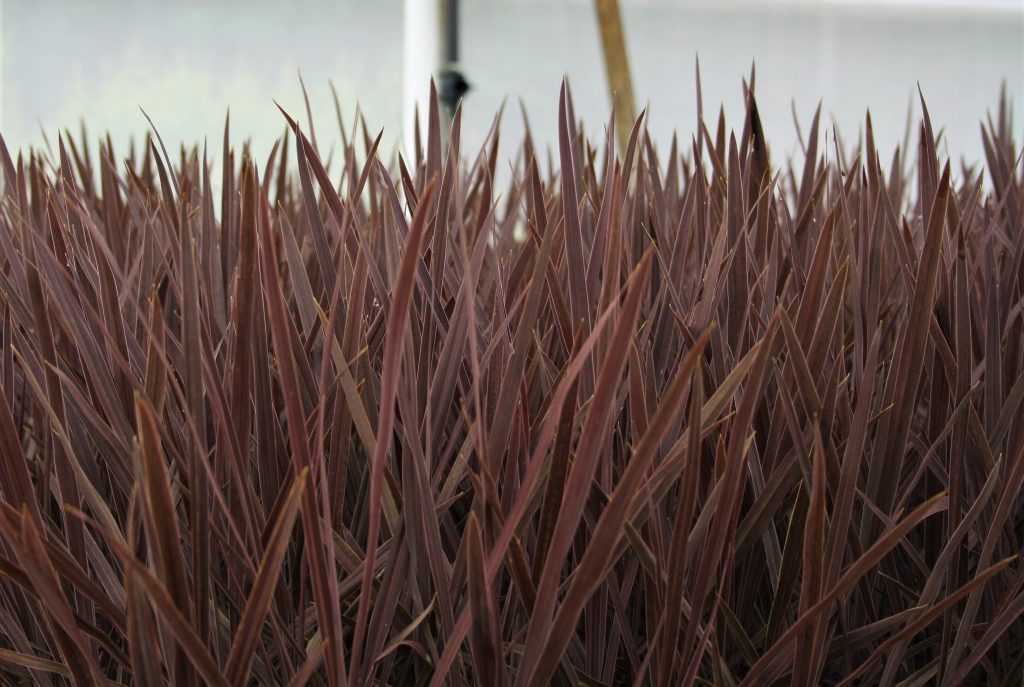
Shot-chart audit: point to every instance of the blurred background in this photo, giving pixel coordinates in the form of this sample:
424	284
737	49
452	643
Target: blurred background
186	62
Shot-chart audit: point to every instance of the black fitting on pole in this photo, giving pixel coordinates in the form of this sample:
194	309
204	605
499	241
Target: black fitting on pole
452	87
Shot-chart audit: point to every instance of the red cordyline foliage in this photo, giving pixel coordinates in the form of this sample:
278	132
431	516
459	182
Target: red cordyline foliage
689	420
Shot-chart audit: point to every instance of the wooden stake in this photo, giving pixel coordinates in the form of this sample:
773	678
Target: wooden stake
620	85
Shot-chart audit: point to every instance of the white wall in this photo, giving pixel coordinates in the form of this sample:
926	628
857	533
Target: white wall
102	59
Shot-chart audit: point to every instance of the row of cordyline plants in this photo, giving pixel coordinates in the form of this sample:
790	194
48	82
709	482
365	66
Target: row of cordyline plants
665	416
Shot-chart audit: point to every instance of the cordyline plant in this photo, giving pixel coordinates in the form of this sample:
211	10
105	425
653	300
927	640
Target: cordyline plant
691	420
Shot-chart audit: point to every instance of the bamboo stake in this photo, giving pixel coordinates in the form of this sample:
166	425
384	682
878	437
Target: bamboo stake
620	85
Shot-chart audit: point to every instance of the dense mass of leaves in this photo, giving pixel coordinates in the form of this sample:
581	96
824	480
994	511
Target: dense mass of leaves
689	420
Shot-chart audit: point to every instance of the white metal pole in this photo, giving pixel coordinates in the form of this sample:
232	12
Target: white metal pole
421	59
